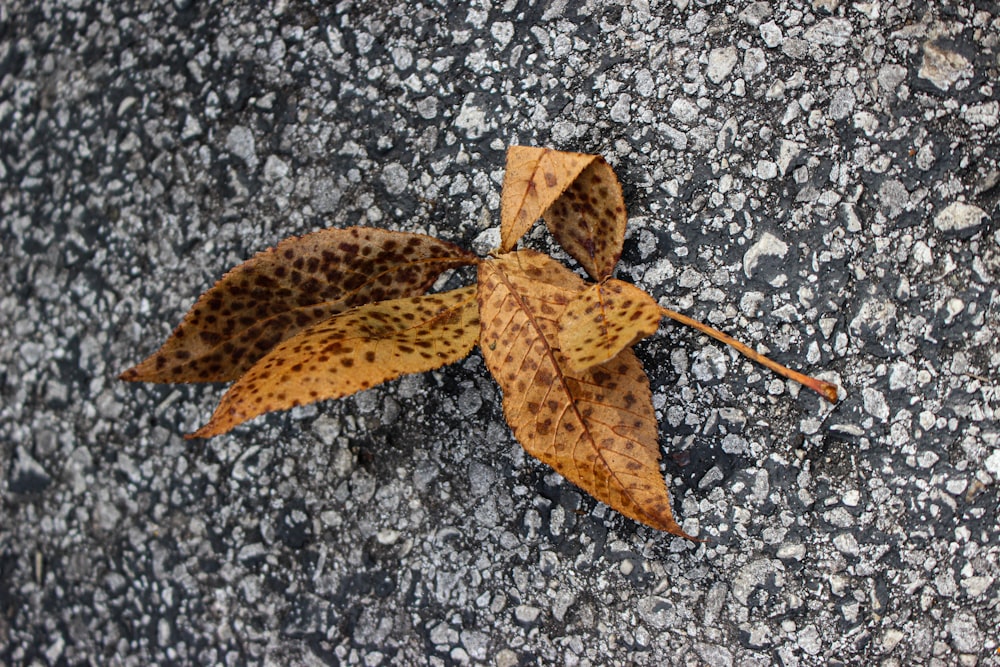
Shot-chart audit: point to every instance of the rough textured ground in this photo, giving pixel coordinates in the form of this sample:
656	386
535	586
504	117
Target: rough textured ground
819	178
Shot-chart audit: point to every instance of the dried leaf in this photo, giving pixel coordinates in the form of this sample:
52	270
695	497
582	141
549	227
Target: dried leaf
603	320
534	178
588	219
596	427
354	350
280	291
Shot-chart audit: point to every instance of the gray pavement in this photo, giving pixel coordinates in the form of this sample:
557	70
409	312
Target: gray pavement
819	179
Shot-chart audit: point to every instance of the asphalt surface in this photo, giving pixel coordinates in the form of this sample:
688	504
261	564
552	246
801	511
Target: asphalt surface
819	179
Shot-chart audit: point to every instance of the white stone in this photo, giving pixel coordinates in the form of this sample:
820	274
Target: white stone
503	32
841	103
830	32
240	142
766	170
767	245
875	403
526	613
959	217
395	177
684	110
941	67
275	168
927	459
621	111
721	62
976	586
771	34
992	463
966	636
787	151
793	551
754	62
986	113
471	119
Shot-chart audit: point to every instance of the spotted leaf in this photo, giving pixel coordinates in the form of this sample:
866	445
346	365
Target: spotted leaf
603	320
596	427
281	291
588	219
351	351
534	178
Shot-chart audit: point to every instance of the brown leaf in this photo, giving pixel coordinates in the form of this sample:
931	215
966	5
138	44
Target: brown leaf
280	291
354	350
588	219
603	320
534	178
596	427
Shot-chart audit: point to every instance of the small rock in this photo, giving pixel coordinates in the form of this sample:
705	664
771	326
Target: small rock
976	586
526	613
809	640
992	463
771	34
711	477
658	612
721	62
766	169
927	459
506	658
830	32
959	218
712	654
621	111
395	177
986	114
684	110
891	638
443	635
787	151
503	32
794	551
828	6
841	104
754	575
767	245
846	544
476	643
894	197
275	169
756	13
754	62
890	76
875	403
240	142
965	634
942	67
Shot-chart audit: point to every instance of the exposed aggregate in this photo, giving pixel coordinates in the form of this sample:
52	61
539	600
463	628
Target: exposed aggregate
818	178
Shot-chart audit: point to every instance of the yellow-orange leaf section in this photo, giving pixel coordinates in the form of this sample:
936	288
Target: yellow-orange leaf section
597	427
281	291
603	320
352	351
588	219
534	178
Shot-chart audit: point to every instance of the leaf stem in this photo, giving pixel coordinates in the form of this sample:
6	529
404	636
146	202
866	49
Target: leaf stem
827	390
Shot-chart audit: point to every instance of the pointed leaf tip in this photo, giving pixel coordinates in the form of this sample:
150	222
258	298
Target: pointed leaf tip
597	427
281	291
534	178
